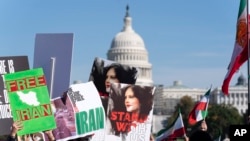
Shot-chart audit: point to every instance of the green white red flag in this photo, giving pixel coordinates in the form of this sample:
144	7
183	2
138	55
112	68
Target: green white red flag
240	53
199	111
173	131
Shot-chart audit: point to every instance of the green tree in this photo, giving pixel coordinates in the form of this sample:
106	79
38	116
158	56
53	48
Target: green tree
186	104
220	117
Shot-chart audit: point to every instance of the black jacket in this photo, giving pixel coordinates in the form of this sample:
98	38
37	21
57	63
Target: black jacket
10	138
200	135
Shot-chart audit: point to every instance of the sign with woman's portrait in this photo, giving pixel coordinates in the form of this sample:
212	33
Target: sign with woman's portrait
105	72
129	113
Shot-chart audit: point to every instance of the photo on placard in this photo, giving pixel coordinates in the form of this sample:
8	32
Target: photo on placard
105	72
129	113
65	119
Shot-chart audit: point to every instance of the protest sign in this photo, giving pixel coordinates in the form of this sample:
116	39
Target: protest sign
130	110
79	113
103	73
53	53
8	64
29	100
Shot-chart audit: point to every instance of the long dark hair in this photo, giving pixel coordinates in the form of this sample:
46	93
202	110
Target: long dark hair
97	75
145	97
124	74
143	93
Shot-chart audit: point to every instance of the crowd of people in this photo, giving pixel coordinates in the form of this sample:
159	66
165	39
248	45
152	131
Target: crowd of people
130	98
18	125
200	134
102	78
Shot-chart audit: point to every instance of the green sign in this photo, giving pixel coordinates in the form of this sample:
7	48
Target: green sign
29	100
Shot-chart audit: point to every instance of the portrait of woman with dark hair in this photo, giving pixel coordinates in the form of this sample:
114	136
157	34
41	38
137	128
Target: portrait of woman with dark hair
130	107
116	73
105	72
138	100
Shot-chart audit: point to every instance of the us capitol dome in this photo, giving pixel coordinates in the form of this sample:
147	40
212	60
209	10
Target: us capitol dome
128	48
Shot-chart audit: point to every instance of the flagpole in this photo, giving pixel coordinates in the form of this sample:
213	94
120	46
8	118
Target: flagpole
248	62
53	61
207	103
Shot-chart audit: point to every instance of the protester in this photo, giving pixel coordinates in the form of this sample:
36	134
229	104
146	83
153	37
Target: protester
248	120
50	135
16	126
226	139
201	134
151	137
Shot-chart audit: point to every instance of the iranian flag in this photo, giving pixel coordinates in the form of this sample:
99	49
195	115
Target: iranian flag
240	54
173	131
199	111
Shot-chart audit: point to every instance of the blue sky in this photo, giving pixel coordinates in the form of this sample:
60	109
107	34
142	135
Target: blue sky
191	41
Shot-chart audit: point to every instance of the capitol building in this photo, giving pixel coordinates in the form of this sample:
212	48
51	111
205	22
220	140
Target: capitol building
128	48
